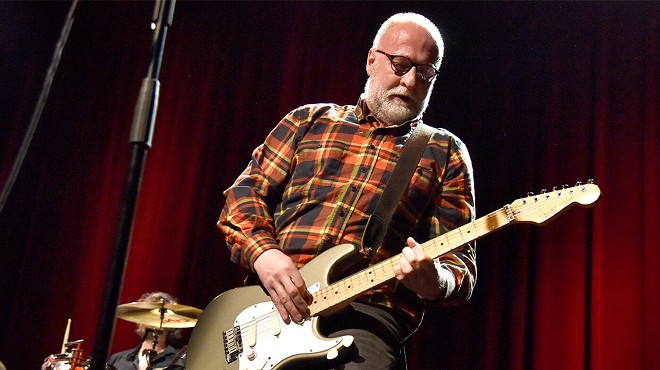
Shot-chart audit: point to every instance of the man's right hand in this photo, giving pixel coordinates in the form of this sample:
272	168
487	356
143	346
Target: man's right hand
284	283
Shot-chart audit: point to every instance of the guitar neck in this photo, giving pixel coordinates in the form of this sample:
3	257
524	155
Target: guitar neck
349	288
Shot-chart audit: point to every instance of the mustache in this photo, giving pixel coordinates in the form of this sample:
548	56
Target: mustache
403	92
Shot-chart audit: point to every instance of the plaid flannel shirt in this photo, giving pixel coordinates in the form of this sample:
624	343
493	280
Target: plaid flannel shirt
318	176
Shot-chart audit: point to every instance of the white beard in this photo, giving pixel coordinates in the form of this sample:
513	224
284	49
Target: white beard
389	111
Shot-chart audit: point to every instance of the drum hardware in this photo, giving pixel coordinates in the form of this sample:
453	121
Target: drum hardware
150	353
71	358
158	315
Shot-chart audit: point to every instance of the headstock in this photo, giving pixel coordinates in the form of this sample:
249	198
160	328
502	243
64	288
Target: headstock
539	208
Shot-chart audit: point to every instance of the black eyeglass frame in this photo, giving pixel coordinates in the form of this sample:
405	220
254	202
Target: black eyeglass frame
420	74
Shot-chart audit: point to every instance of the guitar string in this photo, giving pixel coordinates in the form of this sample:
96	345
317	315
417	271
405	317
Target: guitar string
262	324
456	237
452	238
539	202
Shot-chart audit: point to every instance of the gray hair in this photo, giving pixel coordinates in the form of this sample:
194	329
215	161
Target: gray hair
418	20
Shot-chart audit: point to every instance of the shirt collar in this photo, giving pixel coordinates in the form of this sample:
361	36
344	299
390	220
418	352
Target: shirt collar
365	116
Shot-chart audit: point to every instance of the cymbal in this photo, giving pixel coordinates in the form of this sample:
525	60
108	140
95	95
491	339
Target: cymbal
174	315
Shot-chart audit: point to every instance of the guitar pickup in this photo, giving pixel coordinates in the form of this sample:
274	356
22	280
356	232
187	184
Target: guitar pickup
233	343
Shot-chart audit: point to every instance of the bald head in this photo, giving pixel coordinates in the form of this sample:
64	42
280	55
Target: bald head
401	66
419	21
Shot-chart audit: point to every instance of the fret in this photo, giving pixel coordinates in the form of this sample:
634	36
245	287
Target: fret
537	210
375	275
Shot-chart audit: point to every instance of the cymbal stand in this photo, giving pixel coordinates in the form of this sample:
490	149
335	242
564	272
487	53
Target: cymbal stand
150	354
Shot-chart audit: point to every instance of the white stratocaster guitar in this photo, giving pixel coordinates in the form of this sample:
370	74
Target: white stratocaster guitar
241	329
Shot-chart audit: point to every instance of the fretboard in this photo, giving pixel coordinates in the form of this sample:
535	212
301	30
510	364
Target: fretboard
347	289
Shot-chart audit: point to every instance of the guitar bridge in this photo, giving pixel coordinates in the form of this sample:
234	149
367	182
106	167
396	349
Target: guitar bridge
233	343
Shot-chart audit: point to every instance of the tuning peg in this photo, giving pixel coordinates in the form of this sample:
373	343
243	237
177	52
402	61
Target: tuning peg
590	181
578	183
555	189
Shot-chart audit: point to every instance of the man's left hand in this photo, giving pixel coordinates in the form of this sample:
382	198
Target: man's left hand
417	271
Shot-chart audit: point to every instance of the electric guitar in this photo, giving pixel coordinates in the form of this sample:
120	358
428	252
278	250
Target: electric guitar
241	329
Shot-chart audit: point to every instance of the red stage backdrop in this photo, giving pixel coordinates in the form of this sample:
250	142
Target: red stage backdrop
543	94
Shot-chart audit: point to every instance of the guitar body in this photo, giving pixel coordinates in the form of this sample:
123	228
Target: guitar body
264	341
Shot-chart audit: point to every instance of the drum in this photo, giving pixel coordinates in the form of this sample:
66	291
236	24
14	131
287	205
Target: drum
66	361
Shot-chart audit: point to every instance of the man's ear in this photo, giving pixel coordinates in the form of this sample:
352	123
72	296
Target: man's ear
371	58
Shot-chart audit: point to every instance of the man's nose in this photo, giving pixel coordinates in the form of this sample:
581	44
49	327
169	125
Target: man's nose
409	79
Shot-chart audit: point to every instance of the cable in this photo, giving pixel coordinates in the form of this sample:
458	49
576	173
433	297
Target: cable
36	115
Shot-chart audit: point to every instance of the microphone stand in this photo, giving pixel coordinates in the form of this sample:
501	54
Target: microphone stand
141	135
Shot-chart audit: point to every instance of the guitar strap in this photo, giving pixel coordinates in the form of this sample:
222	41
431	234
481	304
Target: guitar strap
410	155
378	222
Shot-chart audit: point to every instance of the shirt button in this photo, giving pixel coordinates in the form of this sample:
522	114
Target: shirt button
342	213
354	188
372	146
363	169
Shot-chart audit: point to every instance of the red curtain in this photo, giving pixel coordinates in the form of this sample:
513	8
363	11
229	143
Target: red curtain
543	94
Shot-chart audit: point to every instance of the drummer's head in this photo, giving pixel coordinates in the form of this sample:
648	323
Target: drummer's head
173	335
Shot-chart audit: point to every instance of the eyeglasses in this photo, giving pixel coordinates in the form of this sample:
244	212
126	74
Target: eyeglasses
401	65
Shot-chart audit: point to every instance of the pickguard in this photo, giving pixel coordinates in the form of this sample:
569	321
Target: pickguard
268	341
